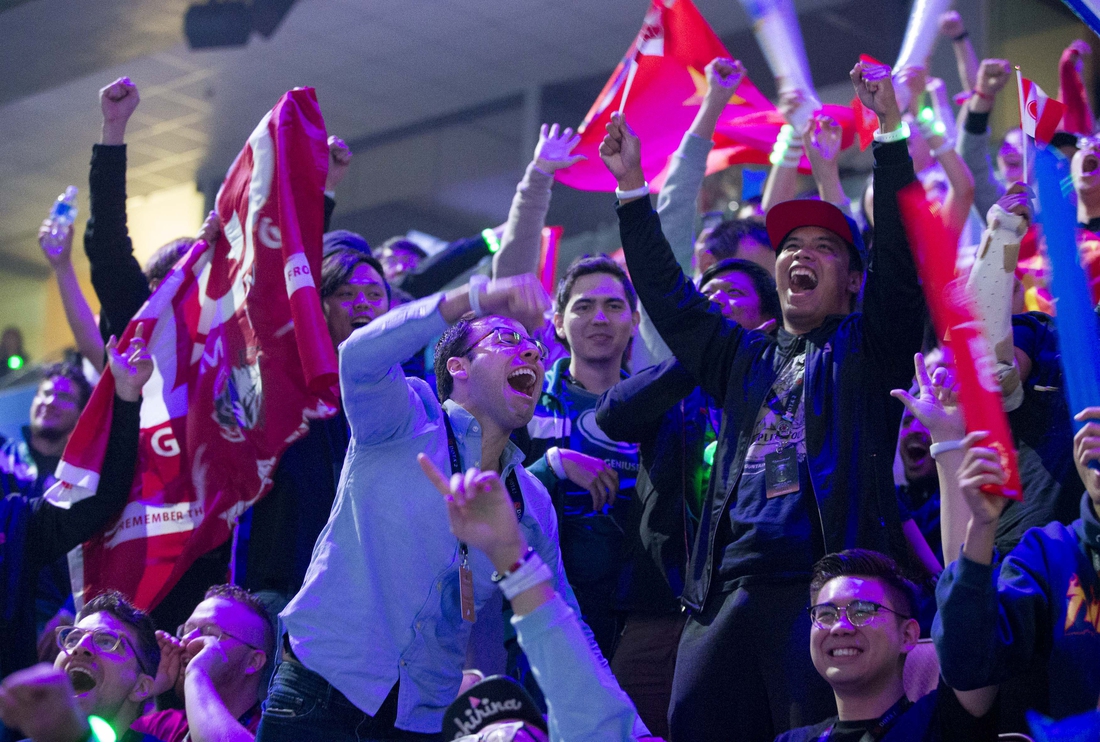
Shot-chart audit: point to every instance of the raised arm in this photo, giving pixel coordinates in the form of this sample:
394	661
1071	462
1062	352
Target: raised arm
951	26
893	304
782	182
117	278
522	239
583	698
339	160
53	530
704	341
973	143
372	385
57	246
678	199
1071	89
822	144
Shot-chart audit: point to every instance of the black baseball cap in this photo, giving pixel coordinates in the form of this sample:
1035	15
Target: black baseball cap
495	699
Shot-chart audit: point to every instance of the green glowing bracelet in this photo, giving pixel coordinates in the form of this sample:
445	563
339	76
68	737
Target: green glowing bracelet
101	730
491	240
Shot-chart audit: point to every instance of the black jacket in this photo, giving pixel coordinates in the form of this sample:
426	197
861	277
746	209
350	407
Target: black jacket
852	363
35	533
662	409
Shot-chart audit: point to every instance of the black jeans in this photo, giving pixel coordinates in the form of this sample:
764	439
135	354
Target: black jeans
744	671
302	706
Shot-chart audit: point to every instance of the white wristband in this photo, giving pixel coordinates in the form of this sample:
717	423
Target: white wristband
943	447
635	193
532	572
553	458
902	132
476	282
943	149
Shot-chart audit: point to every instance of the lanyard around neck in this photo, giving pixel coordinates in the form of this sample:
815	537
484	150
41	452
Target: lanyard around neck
885	723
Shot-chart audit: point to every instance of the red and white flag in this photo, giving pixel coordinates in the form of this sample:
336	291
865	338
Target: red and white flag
659	86
1039	114
243	363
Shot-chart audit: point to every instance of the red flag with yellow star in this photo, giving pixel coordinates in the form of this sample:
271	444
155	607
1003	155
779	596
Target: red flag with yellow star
662	79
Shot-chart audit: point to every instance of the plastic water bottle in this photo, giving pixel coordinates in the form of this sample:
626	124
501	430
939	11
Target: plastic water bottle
63	213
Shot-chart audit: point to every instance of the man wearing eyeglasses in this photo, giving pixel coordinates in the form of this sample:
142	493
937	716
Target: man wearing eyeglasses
216	662
862	628
377	636
106	668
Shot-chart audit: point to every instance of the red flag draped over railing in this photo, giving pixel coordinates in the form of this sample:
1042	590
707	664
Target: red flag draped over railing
934	249
243	363
664	71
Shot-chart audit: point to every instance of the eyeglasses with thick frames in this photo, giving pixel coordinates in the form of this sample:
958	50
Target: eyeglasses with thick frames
104	640
211	630
510	339
858	613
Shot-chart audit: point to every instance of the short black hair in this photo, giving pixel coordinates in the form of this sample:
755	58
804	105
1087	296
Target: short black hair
587	265
724	241
165	258
116	604
338	265
402	243
73	373
867	563
762	282
339	238
453	342
238	594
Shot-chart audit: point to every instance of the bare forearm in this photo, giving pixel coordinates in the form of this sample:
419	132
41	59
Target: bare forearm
967	62
960	193
980	535
920	547
114	133
953	511
827	177
782	185
207	717
79	315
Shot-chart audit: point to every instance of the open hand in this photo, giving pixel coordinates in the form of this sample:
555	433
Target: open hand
594	474
936	404
208	656
480	511
621	152
339	160
555	147
981	467
132	367
171	663
56	241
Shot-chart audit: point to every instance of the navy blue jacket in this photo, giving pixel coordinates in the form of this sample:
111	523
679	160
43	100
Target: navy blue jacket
662	409
852	363
1036	614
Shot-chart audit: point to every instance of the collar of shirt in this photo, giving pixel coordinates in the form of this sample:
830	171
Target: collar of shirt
468	436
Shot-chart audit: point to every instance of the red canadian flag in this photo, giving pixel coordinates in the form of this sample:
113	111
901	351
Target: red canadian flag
1039	114
243	362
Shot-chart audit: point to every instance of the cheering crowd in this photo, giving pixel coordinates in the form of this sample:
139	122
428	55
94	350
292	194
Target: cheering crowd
723	488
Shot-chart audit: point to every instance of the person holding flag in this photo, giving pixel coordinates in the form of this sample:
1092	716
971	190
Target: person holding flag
803	462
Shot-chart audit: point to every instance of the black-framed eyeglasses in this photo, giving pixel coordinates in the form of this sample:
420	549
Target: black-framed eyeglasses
858	613
104	640
211	630
510	339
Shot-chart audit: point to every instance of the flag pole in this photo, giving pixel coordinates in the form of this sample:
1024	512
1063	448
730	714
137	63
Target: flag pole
1023	104
629	82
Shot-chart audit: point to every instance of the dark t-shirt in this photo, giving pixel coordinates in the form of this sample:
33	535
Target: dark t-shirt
771	535
592	545
937	717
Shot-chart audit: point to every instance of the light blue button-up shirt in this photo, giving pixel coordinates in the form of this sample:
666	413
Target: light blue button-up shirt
380	601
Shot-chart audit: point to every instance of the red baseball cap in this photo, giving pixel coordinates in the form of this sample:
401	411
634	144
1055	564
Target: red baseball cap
787	216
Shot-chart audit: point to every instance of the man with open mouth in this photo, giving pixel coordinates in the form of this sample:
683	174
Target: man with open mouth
377	636
102	678
803	462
